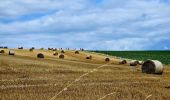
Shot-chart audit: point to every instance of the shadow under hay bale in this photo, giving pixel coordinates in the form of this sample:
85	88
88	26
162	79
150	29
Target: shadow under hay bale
2	51
152	67
122	62
62	51
76	52
40	55
89	57
61	56
11	52
107	59
134	63
55	53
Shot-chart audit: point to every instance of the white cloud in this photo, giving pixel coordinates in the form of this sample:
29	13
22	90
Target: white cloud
110	24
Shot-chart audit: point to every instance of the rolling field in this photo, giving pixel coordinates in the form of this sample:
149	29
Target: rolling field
25	77
163	56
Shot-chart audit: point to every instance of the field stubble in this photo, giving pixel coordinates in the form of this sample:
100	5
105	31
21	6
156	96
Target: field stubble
31	79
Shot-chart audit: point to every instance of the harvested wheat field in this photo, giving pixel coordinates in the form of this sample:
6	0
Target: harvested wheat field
26	77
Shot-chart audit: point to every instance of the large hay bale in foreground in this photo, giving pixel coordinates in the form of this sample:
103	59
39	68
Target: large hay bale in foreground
40	55
88	57
134	63
152	67
122	61
107	59
76	52
61	56
55	53
2	51
11	52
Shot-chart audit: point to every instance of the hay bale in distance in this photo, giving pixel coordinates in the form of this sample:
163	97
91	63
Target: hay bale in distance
5	47
54	49
62	51
31	49
11	52
76	52
61	56
40	55
88	57
107	59
134	63
122	61
49	48
2	51
20	48
152	67
81	49
55	53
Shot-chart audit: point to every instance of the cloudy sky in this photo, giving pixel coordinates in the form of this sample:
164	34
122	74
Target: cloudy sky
91	24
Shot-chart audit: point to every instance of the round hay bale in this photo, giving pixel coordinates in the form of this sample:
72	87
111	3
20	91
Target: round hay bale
40	55
61	56
5	47
89	57
122	61
2	51
141	62
107	59
134	63
55	53
49	48
11	52
62	51
76	52
31	49
54	49
152	67
20	48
